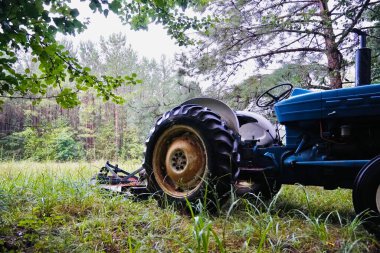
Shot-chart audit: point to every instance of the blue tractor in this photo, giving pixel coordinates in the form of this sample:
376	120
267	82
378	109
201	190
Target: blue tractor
332	139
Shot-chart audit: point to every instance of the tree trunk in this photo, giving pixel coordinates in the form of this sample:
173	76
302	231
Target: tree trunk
93	120
117	140
334	57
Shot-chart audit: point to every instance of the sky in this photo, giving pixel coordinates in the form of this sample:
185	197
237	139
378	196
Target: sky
151	44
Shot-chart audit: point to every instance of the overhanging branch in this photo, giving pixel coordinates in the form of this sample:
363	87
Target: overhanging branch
284	51
354	22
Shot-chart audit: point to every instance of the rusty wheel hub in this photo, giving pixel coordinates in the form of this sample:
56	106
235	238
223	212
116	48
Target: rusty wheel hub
184	162
176	160
179	161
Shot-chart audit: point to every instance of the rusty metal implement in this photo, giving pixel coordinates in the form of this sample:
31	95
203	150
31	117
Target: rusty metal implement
112	178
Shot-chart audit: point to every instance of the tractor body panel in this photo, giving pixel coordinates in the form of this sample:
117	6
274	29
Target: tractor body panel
340	103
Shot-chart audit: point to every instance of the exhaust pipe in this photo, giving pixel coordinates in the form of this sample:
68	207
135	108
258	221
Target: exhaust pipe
362	60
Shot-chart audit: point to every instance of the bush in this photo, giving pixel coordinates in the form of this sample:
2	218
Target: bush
66	148
58	144
12	147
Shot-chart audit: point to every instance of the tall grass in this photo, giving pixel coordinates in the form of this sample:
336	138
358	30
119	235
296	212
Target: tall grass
52	207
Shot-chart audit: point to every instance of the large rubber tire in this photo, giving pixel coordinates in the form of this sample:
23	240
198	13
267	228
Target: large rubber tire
189	157
366	195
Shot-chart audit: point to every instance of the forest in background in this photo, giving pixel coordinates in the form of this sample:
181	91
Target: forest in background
97	129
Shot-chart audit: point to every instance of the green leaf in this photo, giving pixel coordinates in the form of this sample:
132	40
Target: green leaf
74	13
139	22
45	16
159	3
183	4
34	10
95	6
114	6
58	21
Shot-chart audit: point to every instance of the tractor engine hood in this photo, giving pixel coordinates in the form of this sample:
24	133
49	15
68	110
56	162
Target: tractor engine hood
303	105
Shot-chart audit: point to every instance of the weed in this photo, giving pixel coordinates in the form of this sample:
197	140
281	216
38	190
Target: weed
203	230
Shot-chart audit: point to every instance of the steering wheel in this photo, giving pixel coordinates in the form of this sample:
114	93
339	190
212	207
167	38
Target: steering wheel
274	95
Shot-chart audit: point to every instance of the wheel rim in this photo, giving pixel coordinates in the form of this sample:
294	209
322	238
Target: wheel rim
378	199
179	161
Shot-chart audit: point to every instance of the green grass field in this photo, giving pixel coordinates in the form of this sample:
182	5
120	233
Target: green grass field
50	207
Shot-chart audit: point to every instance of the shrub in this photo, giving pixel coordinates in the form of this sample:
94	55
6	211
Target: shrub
58	144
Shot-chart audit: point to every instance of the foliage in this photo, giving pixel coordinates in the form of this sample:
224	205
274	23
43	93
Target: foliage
242	96
12	147
276	32
57	144
104	143
374	45
162	90
31	26
133	147
301	75
66	148
139	14
373	42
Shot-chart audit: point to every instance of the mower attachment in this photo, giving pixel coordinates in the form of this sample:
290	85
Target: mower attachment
115	179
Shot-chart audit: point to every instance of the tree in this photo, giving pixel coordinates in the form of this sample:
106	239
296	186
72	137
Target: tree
297	31
31	26
375	46
161	90
374	43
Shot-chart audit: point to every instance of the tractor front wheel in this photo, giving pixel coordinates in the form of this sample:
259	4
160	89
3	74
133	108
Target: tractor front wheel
189	157
366	195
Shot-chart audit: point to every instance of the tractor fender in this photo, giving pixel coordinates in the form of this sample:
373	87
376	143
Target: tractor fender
249	125
224	111
254	126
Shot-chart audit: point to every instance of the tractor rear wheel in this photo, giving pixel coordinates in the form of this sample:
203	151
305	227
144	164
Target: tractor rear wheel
189	157
366	195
